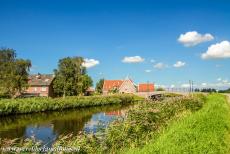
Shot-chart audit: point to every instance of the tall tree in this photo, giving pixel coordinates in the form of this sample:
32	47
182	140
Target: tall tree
70	77
13	73
99	86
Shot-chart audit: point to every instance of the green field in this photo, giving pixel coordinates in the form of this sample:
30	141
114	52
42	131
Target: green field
205	131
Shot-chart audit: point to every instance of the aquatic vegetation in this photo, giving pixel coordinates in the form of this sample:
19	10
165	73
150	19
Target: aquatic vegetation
142	124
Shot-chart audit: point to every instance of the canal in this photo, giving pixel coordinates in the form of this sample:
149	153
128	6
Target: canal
47	126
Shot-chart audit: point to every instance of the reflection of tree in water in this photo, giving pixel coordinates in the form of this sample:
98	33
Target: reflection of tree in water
70	126
67	121
13	133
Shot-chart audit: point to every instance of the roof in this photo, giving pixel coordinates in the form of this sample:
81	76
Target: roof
90	89
110	84
146	87
40	79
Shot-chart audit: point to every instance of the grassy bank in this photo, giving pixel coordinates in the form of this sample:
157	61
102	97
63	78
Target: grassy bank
206	131
31	105
141	125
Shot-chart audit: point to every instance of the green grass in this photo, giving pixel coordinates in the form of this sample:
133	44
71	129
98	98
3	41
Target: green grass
141	124
205	131
31	105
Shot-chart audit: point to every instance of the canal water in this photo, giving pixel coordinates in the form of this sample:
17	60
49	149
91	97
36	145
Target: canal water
47	126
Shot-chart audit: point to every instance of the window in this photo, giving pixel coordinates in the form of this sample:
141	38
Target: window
43	88
35	89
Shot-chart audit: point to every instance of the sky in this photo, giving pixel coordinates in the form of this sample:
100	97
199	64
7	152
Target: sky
168	42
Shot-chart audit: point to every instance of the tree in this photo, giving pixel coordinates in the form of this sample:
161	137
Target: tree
71	78
99	86
13	73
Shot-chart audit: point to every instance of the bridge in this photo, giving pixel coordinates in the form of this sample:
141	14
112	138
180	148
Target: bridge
158	93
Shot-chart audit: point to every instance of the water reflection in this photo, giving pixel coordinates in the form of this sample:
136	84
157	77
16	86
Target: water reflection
48	126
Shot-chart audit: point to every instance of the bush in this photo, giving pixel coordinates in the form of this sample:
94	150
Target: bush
39	104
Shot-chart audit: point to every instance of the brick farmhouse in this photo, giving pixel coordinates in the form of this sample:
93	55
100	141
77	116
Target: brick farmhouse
126	86
40	85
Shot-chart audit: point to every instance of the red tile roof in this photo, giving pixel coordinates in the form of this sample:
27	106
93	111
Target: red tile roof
146	87
110	84
40	79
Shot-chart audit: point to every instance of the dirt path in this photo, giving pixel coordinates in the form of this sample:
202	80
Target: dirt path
228	97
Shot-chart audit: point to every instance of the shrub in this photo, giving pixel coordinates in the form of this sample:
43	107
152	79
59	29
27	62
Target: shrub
39	104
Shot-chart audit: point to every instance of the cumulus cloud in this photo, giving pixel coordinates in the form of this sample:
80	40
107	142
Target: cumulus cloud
160	65
218	50
179	64
219	79
148	71
88	63
193	38
134	59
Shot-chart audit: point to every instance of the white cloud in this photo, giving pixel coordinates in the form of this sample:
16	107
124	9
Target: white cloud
185	85
172	86
134	59
218	50
148	71
179	64
219	79
225	81
193	38
88	63
204	84
160	65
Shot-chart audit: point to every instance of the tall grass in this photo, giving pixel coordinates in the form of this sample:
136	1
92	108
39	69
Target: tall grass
206	131
141	125
30	105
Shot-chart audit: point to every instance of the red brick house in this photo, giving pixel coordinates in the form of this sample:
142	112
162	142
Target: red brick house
40	85
146	87
123	86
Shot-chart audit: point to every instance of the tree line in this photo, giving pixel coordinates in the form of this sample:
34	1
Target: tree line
71	78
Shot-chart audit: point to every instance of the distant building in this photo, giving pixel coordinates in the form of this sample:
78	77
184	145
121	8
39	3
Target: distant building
121	86
40	85
89	91
146	87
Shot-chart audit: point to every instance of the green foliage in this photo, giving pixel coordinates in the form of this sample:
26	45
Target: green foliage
160	89
225	91
142	124
71	78
99	86
13	73
205	131
115	90
39	104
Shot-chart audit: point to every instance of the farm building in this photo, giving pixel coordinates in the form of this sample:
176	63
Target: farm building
120	86
146	87
40	85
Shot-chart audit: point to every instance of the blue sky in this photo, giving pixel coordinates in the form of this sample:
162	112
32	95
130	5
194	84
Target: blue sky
108	31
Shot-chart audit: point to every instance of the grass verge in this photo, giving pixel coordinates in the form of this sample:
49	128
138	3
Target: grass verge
31	105
205	131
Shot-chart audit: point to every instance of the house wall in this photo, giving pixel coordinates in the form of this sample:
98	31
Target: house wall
41	90
127	87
